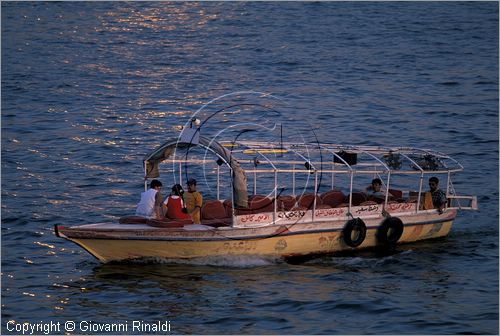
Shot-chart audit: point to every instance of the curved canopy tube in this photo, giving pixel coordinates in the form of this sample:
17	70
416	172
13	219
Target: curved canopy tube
163	152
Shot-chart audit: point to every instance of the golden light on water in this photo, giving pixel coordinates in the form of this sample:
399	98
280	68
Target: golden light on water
166	17
44	244
94	141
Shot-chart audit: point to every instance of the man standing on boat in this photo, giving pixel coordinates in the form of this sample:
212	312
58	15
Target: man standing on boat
438	196
151	201
194	201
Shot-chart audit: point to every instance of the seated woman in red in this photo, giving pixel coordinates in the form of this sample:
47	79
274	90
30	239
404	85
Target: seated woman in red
175	204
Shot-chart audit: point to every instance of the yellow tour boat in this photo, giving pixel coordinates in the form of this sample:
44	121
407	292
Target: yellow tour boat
284	200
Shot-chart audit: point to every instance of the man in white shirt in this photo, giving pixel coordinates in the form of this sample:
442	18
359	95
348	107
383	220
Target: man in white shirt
150	205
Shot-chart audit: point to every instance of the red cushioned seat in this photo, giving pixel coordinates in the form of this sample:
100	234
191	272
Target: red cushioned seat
213	210
377	199
323	206
259	203
396	193
358	198
132	220
168	223
285	202
333	198
228	205
307	200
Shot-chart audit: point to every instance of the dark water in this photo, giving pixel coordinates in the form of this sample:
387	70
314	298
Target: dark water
89	87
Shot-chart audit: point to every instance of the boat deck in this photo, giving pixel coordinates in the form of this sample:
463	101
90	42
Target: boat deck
107	226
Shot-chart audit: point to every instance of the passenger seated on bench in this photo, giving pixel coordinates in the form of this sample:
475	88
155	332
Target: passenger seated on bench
174	204
375	189
151	202
194	201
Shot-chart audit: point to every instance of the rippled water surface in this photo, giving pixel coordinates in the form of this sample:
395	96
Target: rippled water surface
89	87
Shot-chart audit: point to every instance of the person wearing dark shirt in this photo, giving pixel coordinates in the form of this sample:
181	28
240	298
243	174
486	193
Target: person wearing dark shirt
438	196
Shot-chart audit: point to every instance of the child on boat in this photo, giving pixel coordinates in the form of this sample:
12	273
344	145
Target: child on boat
174	204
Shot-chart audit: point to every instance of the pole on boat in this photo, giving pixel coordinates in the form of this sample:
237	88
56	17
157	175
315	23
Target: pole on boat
315	194
448	182
333	173
255	181
420	190
350	191
218	184
180	173
387	186
275	194
233	213
145	177
281	139
255	164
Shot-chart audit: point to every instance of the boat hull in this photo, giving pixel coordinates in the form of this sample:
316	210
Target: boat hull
113	242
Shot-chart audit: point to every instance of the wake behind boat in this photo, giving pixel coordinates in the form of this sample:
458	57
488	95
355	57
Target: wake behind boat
284	200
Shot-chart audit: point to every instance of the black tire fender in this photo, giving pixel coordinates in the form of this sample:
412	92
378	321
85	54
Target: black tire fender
354	225
390	231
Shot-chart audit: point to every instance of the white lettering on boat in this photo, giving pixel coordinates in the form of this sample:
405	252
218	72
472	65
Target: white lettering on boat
333	212
255	218
303	216
400	207
367	209
291	214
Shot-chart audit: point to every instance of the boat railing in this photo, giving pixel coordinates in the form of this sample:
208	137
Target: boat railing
297	215
265	166
454	202
352	207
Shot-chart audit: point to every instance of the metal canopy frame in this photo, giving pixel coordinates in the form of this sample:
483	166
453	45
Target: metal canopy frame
280	158
312	154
